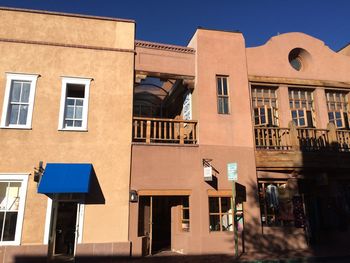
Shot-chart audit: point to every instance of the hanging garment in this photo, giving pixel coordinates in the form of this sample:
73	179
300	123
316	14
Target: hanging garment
272	196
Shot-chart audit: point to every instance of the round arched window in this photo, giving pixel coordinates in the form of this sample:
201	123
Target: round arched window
298	57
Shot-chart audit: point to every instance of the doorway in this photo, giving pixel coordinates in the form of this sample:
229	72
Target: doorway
63	229
157	216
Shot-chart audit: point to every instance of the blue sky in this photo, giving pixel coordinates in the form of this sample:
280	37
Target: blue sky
174	22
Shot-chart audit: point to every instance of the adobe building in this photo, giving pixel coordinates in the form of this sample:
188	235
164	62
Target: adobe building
278	113
113	146
66	94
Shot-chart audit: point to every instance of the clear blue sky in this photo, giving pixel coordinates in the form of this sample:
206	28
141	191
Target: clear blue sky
174	22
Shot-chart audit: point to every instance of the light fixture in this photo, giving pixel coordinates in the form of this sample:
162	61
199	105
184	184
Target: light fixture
134	196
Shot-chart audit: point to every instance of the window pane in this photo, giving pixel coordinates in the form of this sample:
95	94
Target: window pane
219	86
225	204
220	105
213	205
68	123
69	112
13	196
16	91
3	188
226	221
339	123
225	86
70	102
23	114
302	122
2	215
301	113
79	102
78	113
25	92
225	101
338	115
10	226
14	114
330	116
186	214
214	224
78	123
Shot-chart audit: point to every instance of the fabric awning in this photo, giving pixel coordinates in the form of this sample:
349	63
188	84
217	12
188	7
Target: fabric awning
59	178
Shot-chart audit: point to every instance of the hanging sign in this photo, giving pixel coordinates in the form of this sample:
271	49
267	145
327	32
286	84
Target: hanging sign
208	173
232	174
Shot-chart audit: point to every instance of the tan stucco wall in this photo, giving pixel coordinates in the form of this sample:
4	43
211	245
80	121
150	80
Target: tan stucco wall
106	144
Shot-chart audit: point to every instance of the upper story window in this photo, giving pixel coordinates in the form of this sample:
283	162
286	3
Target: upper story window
18	101
337	105
222	94
74	104
301	107
264	101
12	200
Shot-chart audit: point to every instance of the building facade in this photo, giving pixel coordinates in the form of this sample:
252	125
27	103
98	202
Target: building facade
115	146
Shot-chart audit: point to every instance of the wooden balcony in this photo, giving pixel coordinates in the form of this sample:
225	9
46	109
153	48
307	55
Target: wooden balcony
156	130
302	139
293	147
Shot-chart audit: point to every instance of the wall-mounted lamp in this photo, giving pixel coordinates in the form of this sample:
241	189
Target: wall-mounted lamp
134	197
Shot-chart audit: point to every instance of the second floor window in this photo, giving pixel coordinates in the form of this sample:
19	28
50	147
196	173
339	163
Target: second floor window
74	104
337	105
301	107
18	101
264	101
222	94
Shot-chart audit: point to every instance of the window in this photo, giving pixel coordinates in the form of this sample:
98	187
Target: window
337	105
301	106
280	203
185	214
264	101
74	104
222	94
12	200
220	214
18	101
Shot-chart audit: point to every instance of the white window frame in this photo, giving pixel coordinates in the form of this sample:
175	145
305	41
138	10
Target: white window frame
81	81
10	77
23	178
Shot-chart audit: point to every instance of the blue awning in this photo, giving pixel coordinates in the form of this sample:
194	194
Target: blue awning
59	178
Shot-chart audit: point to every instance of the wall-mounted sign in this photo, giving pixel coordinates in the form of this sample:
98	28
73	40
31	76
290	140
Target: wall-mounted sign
208	173
232	174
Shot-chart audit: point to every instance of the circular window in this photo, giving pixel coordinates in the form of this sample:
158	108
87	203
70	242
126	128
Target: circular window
298	58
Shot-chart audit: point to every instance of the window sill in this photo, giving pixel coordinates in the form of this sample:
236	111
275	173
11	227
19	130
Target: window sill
73	130
10	243
16	127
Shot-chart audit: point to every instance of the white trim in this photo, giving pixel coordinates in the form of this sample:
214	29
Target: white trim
81	210
47	221
83	81
23	178
4	117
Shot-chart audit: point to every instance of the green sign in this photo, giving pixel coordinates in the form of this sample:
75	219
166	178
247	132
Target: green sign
232	174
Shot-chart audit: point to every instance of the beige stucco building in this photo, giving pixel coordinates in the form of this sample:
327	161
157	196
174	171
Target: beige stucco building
140	141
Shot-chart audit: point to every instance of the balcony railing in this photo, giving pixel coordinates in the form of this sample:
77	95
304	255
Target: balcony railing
303	139
154	130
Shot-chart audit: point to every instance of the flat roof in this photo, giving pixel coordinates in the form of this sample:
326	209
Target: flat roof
66	14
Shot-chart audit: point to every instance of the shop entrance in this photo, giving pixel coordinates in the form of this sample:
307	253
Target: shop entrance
155	221
63	229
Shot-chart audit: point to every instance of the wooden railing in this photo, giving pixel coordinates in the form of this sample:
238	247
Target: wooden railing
302	139
272	138
156	130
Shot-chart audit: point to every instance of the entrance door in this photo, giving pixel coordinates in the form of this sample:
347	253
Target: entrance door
161	223
64	226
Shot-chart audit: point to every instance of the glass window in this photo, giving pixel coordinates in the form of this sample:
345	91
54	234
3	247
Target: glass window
301	107
18	101
12	194
74	104
220	214
185	214
264	101
337	105
222	94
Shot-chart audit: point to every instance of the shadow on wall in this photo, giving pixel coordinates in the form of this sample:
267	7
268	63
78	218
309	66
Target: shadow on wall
95	196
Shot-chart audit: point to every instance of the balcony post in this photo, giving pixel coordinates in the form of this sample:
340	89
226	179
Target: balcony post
293	133
182	141
332	135
148	131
